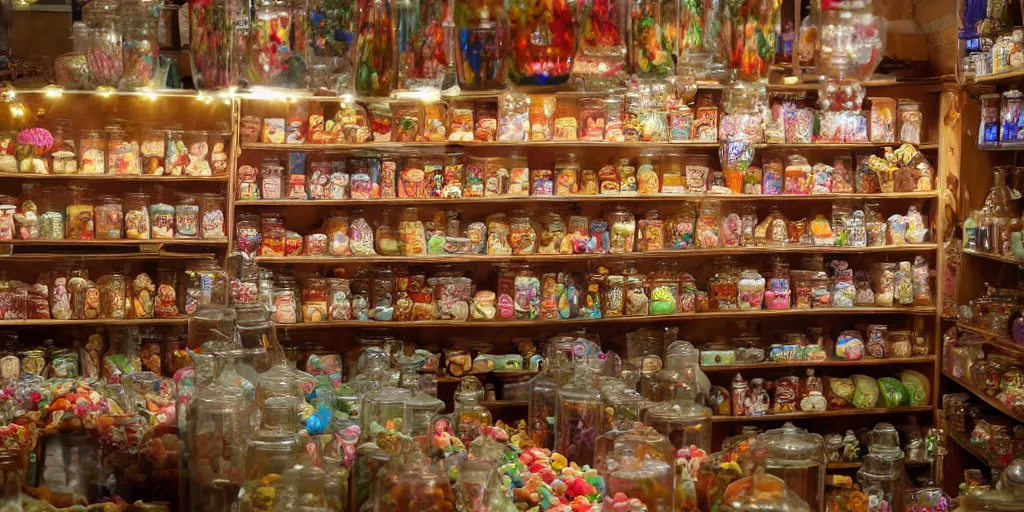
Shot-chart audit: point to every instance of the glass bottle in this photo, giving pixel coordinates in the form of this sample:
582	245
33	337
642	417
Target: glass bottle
698	31
104	52
752	49
480	26
640	464
653	36
470	416
422	37
579	416
375	65
275	447
687	425
543	38
332	45
141	52
797	457
542	391
601	58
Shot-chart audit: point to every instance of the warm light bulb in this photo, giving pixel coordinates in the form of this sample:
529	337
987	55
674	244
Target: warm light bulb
53	91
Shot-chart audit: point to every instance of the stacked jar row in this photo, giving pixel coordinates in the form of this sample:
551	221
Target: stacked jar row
618	232
453	175
526	294
76	213
117	150
70	294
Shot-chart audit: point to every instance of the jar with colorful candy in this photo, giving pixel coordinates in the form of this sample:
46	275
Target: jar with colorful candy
639	464
750	38
274	43
881	477
601	58
333	26
211	31
579	416
699	32
543	41
470	415
798	458
542	392
480	61
413	485
104	50
423	44
851	40
141	51
375	64
654	37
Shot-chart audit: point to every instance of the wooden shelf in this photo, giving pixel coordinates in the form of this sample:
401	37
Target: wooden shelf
506	404
631	256
735	314
989	399
158	242
837	412
975	451
519	200
109	177
768	365
994	257
844	465
440	146
1000	78
992	339
94	321
120	256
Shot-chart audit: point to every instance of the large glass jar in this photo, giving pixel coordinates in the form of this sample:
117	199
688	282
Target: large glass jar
380	410
271	45
687	425
480	60
122	152
103	53
850	40
653	36
333	31
601	58
375	65
542	392
640	464
414	487
880	478
92	150
699	27
186	217
797	457
579	414
422	40
218	441
213	219
470	415
748	31
51	214
420	410
543	37
109	218
141	52
12	476
275	447
80	222
211	31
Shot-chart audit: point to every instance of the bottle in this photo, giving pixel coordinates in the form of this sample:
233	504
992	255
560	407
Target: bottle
470	415
542	389
579	416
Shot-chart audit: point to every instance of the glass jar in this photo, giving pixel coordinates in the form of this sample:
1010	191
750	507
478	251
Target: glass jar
161	216
275	447
479	60
331	46
687	425
271	45
153	149
186	217
579	412
622	228
542	392
470	415
104	49
64	151
911	122
699	37
113	296
422	42
176	154
375	66
798	458
206	284
988	131
723	287
80	222
141	52
51	216
382	409
653	37
213	222
751	51
220	146
109	218
122	152
601	61
881	475
420	410
640	464
543	41
211	51
218	440
751	288
414	487
285	304
92	148
197	146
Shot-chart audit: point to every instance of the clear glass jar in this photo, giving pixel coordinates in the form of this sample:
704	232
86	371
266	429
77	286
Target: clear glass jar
64	151
213	223
153	149
109	218
186	217
988	131
176	154
880	477
220	147
543	42
422	41
275	447
639	463
415	486
579	410
104	50
218	440
381	408
375	52
687	425
197	145
92	150
161	215
420	410
653	37
113	296
798	458
480	62
542	391
285	304
911	122
12	476
211	52
141	52
698	30
206	284
51	216
751	51
80	221
122	152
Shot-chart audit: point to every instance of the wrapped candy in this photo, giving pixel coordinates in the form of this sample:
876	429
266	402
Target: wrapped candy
545	59
422	44
375	69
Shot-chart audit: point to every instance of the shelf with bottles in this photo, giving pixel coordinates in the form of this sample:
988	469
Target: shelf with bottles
992	318
650	112
994	440
875	411
991	400
48	258
994	257
581	144
999	128
868	361
108	178
978	452
994	339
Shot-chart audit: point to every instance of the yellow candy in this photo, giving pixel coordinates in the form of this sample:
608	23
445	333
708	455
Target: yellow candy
558	461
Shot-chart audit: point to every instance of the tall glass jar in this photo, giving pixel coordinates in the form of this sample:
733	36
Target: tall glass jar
213	221
543	41
51	214
141	52
92	150
541	392
186	217
423	44
104	51
382	409
109	218
653	36
797	457
213	42
332	45
687	426
579	416
275	447
470	415
699	32
480	49
218	442
640	464
880	478
749	35
12	476
420	410
375	64
79	219
414	486
601	58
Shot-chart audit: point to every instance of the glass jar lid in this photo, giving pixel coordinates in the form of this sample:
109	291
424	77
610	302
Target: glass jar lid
791	445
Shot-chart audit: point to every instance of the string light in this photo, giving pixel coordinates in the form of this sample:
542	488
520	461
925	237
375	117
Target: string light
17	110
53	91
105	91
